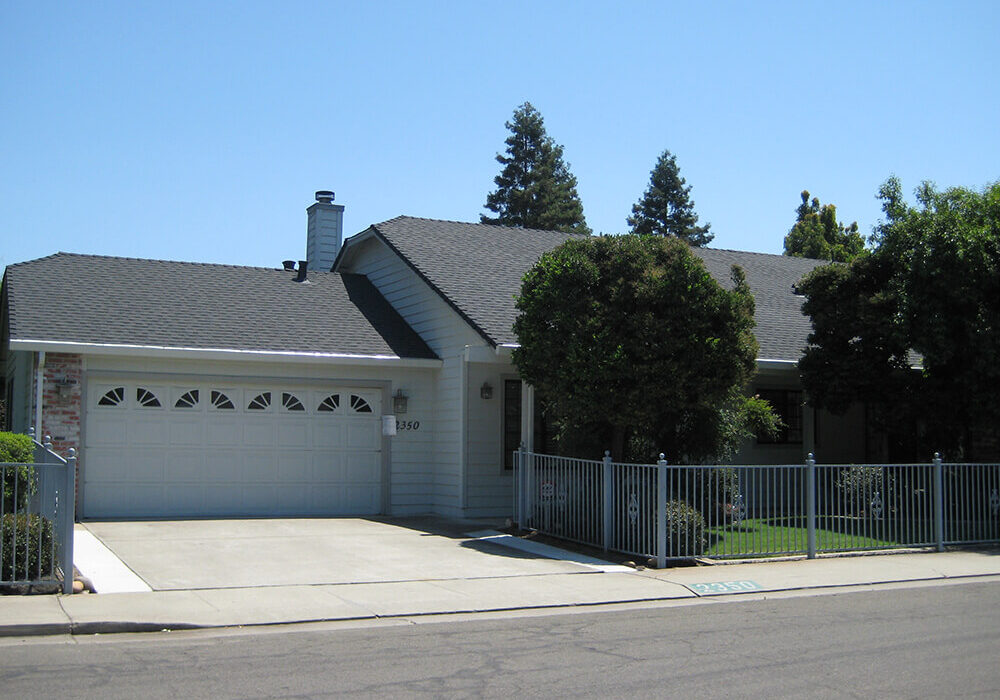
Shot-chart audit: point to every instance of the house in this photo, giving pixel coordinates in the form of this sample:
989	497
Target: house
374	377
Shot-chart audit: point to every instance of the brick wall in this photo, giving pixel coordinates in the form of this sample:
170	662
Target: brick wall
61	409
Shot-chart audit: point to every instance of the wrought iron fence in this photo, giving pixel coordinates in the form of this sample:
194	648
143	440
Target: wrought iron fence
37	512
738	511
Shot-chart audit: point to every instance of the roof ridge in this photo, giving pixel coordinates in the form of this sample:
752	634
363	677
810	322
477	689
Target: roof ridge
94	256
769	255
477	223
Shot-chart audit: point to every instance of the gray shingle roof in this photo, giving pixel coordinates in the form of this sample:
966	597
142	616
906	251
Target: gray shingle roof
107	300
781	329
478	269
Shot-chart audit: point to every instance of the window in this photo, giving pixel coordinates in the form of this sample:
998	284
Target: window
511	420
221	401
260	402
291	402
113	397
359	405
788	405
146	398
189	399
329	404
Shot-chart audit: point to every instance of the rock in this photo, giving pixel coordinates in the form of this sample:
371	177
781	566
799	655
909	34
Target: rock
78	586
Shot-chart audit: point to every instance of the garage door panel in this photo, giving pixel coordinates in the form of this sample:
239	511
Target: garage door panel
223	432
110	430
259	466
362	435
189	430
194	455
295	467
185	465
260	432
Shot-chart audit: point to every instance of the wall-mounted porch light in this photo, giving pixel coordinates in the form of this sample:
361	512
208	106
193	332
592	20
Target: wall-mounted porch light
64	386
399	400
486	391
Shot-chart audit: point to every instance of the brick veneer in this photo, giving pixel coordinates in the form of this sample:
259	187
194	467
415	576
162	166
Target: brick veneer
62	412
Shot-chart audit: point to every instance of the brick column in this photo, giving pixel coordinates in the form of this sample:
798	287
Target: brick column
61	407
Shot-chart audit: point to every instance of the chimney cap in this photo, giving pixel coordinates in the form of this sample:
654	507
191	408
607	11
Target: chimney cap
289	265
324	196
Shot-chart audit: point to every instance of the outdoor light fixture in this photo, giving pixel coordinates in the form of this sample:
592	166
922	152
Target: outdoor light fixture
486	391
64	386
399	400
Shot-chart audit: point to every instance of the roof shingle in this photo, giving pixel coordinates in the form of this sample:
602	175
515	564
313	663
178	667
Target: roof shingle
107	300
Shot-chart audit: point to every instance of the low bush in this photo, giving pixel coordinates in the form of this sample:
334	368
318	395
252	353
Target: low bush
685	530
26	547
18	483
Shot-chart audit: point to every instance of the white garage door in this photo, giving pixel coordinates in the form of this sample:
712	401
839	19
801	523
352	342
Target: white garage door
157	449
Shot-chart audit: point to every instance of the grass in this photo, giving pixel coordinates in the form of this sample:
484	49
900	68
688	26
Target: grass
782	535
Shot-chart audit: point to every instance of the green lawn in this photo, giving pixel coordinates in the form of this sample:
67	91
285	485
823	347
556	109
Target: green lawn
777	535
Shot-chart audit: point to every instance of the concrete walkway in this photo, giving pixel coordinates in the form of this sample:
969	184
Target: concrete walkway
586	582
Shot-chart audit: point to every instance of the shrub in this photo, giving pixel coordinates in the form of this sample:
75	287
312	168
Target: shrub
17	482
26	547
858	485
685	530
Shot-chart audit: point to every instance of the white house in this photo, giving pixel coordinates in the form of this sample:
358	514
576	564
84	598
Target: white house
374	377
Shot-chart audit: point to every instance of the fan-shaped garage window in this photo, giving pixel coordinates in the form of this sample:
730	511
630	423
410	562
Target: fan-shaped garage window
329	404
291	402
221	401
359	405
113	397
260	402
145	398
189	399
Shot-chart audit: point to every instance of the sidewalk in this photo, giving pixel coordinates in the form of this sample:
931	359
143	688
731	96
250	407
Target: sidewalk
596	583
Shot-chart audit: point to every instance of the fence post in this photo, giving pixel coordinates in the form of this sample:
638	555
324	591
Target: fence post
68	515
661	512
811	504
608	500
938	502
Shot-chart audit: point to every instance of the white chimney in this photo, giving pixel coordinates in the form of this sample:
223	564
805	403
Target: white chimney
324	231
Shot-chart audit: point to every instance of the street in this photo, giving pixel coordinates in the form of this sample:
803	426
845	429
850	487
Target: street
933	641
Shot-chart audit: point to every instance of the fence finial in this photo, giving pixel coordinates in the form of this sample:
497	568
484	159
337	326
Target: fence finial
31	432
48	442
663	457
607	453
937	455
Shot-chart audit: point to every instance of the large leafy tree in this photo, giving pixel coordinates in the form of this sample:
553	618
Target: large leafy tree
926	297
638	349
666	208
817	233
535	188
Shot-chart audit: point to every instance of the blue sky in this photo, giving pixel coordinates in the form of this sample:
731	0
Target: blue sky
199	131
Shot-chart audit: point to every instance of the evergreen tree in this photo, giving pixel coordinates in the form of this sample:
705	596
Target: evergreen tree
818	234
535	189
666	208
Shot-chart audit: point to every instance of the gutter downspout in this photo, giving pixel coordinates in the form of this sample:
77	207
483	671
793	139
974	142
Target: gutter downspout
39	384
463	432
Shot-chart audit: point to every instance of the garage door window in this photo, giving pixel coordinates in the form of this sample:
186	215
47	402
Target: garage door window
113	397
221	401
359	405
189	399
146	398
260	402
290	402
330	404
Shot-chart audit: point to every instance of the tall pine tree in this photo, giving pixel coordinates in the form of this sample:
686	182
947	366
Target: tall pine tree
666	208
818	234
535	189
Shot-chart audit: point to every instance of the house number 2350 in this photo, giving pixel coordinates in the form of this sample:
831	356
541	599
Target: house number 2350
407	425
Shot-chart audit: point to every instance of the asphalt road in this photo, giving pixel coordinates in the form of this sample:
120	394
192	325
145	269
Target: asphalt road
938	641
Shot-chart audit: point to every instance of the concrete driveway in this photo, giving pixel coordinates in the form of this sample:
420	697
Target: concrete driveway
199	554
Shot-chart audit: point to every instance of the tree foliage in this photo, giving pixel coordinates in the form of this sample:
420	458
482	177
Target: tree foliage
666	208
535	189
636	347
817	233
928	294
